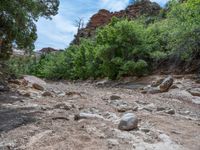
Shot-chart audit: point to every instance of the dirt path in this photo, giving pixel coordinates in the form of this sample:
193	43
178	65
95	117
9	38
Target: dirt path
166	121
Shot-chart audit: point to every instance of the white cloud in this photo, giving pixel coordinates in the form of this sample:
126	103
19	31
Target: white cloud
114	5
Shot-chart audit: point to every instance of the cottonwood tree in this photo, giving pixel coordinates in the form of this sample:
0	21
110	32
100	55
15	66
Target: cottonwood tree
17	22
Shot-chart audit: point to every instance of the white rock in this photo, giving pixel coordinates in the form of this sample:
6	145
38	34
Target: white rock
128	122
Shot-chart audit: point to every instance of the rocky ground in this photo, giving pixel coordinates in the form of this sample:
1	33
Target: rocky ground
38	115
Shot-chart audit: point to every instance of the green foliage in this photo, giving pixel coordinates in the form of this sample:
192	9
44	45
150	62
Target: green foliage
17	22
22	65
129	48
138	68
120	41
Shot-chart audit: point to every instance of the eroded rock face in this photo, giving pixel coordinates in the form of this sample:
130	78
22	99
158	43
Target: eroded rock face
128	122
104	16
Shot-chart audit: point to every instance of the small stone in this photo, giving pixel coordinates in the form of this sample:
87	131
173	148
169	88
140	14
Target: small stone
24	82
87	116
146	130
38	87
27	94
128	122
157	83
73	94
63	106
112	142
103	83
187	112
198	81
174	87
123	108
115	97
135	108
46	93
3	88
143	91
18	82
170	111
61	94
24	93
161	108
195	91
154	90
150	107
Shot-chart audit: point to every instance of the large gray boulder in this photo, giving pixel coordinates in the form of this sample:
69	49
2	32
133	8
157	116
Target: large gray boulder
128	122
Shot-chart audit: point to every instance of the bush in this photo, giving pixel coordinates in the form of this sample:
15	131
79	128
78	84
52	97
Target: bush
126	48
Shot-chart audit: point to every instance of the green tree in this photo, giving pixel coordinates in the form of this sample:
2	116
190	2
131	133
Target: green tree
121	41
17	22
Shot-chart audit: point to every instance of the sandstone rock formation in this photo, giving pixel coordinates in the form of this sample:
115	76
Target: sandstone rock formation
103	17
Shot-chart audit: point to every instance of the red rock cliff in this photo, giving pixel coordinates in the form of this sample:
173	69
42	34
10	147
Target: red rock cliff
103	17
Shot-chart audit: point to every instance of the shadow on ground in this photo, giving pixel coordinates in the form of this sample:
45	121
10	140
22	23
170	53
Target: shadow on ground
11	118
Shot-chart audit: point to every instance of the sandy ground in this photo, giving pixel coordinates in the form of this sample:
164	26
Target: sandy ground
47	123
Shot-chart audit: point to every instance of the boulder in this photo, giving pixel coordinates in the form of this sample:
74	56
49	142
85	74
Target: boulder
38	86
128	122
33	79
166	84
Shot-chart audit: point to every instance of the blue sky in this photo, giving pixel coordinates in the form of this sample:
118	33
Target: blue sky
59	31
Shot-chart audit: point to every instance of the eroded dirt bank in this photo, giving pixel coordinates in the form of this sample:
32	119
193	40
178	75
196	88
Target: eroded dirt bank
167	121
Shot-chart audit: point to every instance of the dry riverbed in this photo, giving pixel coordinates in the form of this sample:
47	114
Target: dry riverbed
46	119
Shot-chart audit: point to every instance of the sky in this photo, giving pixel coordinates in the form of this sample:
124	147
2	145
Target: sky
59	32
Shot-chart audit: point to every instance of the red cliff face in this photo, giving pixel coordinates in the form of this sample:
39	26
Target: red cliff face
103	17
99	19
